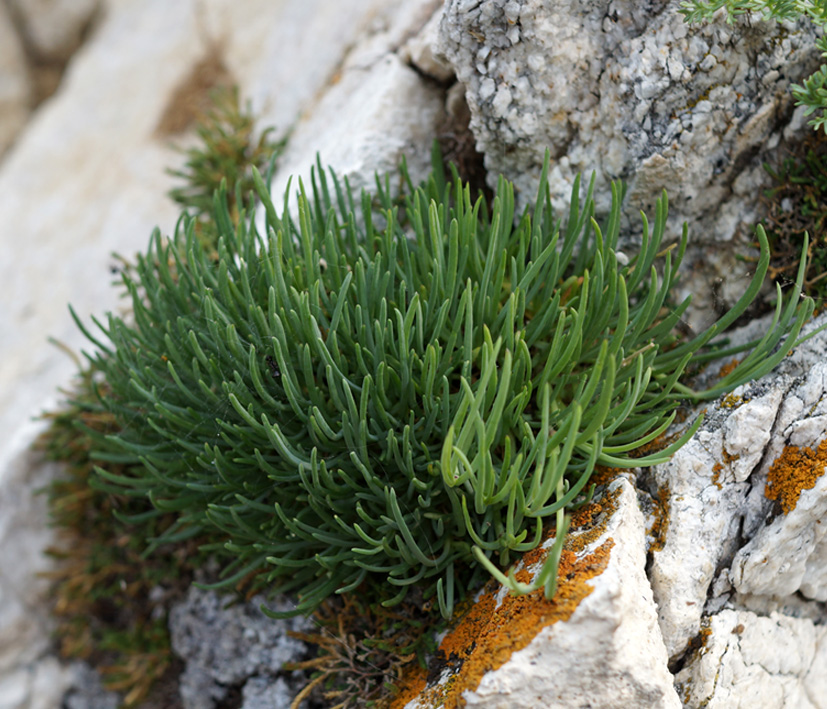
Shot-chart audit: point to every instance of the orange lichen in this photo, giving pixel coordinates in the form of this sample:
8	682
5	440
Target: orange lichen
728	367
603	474
698	643
661	514
728	458
716	475
488	634
795	470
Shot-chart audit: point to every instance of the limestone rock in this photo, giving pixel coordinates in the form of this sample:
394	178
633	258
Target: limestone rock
421	51
54	28
705	485
24	533
367	101
716	514
608	652
87	690
14	83
384	110
267	693
751	661
787	553
39	685
225	646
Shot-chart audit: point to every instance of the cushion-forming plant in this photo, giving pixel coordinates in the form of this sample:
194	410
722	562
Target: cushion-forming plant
384	394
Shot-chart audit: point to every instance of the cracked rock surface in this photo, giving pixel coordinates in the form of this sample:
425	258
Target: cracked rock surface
739	581
608	653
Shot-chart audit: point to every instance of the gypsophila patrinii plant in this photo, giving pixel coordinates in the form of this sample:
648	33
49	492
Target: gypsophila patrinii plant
366	397
813	92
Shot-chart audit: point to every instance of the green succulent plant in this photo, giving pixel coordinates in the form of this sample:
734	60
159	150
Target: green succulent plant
374	397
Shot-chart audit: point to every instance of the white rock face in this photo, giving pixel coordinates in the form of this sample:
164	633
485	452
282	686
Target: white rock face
54	28
14	82
717	513
29	679
788	553
751	661
629	90
706	490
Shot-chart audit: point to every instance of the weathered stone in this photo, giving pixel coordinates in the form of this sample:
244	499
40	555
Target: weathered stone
788	552
267	693
224	645
367	101
87	691
24	533
38	685
54	29
750	661
715	507
15	94
705	484
421	51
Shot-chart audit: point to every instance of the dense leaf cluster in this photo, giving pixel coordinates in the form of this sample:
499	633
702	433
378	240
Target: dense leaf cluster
386	396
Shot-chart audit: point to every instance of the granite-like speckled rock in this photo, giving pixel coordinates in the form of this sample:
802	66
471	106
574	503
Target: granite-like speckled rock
629	90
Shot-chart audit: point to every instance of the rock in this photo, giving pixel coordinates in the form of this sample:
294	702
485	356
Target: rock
224	647
25	625
629	90
421	51
373	91
749	660
604	651
787	552
267	693
87	691
14	83
367	100
39	685
54	29
715	510
704	486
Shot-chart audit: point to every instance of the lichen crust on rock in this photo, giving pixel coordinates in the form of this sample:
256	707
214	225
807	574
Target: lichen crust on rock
595	643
